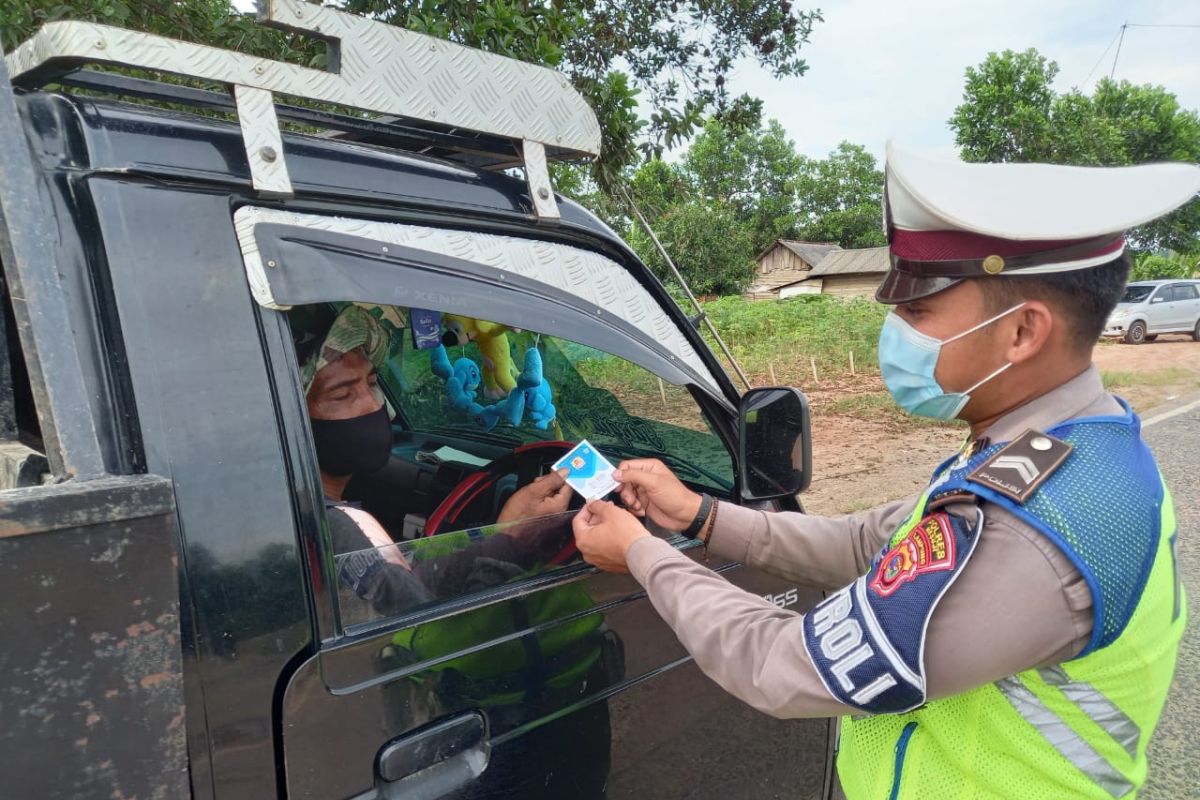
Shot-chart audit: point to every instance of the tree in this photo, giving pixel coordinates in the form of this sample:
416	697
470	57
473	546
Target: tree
1153	266
1010	112
711	248
733	192
677	54
1005	113
751	171
211	22
840	198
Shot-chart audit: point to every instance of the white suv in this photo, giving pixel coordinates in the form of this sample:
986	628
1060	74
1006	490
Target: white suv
1153	307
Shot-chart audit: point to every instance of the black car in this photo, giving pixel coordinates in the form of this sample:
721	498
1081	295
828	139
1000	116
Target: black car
176	619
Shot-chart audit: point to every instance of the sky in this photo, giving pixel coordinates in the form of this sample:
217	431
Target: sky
882	69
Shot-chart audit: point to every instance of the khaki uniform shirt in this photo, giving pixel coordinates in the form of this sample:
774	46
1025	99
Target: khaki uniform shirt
1019	603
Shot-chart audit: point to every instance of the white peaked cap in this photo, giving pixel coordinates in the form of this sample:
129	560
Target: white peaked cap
948	220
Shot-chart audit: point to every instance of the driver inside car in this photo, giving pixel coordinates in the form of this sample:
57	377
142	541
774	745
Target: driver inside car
352	433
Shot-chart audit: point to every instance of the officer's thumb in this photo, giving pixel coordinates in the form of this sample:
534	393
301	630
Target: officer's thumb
638	478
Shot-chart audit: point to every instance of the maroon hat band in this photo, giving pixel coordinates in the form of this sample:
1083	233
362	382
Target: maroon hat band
961	254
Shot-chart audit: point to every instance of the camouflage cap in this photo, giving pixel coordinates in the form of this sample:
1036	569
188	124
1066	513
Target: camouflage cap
355	327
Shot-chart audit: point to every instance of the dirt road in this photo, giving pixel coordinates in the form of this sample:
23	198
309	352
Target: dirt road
866	453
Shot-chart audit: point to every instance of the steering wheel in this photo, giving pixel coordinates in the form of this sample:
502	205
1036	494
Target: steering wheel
473	502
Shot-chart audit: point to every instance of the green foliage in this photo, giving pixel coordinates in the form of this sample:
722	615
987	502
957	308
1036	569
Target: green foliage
1152	266
787	333
711	248
735	191
753	172
1010	112
1005	113
676	56
213	22
840	198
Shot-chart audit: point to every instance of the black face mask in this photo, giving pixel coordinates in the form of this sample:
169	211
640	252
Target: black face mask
353	446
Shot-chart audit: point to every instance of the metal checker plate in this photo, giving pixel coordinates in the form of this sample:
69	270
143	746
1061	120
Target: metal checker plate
593	278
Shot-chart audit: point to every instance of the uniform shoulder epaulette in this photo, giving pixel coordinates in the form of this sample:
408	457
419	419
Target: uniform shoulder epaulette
1021	466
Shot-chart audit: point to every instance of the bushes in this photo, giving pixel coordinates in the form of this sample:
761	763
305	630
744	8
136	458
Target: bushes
787	333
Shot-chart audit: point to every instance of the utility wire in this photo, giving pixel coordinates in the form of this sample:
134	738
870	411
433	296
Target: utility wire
1120	36
1118	55
1111	42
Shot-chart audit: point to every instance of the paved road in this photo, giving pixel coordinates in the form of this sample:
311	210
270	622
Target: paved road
1175	749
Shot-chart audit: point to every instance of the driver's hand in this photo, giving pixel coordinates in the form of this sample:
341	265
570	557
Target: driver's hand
649	489
548	494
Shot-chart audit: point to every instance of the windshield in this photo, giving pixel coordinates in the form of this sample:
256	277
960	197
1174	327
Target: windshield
622	408
458	494
1136	294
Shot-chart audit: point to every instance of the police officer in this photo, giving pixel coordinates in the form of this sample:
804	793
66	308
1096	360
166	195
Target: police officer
1012	631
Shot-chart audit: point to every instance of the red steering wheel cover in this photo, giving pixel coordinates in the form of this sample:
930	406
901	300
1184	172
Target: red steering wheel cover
461	495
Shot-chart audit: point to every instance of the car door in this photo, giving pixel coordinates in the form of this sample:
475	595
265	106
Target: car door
1159	309
550	680
1186	304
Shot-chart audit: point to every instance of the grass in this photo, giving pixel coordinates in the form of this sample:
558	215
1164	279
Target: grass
1115	379
881	406
788	336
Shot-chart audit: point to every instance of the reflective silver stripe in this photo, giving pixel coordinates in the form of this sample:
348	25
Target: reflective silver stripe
1062	738
884	643
1099	709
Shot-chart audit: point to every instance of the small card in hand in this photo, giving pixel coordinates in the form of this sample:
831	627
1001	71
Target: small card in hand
588	472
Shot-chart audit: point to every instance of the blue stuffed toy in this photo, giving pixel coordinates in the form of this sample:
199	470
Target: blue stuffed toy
462	379
533	396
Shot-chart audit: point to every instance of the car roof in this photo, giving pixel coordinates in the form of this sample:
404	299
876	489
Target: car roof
115	136
1161	281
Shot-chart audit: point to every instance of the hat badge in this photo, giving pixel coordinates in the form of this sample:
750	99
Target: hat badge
993	265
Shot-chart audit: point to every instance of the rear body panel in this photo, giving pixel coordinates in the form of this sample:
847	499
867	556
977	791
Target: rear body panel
92	695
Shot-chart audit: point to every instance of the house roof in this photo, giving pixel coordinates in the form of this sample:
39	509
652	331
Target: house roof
869	260
810	252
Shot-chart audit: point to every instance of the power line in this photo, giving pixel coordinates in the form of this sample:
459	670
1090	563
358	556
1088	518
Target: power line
1118	55
1119	39
1111	42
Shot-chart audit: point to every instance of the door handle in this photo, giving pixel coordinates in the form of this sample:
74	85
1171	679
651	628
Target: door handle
439	757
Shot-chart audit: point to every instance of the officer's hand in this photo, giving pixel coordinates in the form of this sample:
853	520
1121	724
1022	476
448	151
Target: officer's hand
548	494
604	533
649	489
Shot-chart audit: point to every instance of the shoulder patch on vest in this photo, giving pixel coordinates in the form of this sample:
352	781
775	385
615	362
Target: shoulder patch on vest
928	547
1021	466
867	641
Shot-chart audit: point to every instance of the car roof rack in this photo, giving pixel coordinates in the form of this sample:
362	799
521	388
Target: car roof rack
436	97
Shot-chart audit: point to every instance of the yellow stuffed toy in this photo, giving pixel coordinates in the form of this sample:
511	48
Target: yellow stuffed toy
492	340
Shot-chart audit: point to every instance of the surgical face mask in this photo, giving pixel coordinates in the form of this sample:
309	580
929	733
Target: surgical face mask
353	446
908	361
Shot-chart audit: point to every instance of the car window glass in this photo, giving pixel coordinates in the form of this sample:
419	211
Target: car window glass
1185	291
1136	294
479	414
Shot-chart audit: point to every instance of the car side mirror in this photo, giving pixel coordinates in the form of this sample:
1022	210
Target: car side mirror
775	443
1158	299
